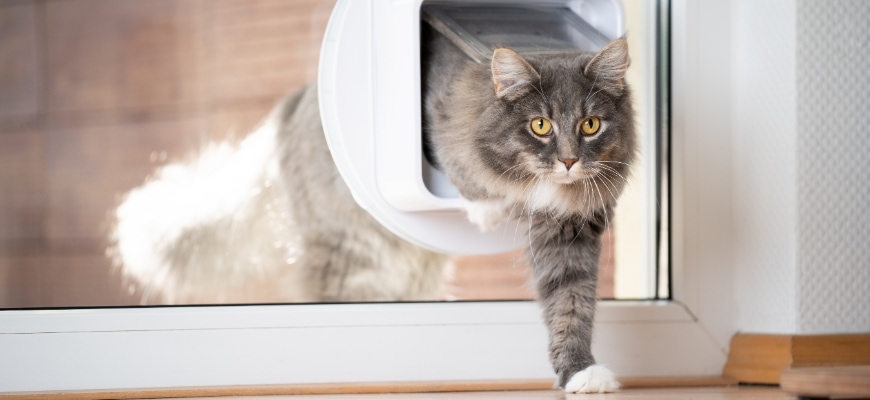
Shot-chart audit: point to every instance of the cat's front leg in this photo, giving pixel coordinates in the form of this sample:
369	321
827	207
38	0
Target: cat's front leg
564	257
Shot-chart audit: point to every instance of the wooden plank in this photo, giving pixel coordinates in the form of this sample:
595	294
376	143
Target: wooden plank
20	279
261	50
830	350
19	71
850	382
361	388
21	187
676	381
138	54
758	358
273	390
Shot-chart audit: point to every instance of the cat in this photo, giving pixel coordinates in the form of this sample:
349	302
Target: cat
547	139
269	214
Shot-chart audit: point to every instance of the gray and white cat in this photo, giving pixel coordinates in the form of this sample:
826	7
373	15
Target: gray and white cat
271	214
548	139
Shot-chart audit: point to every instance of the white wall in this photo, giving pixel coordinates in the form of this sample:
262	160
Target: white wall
833	169
764	166
801	166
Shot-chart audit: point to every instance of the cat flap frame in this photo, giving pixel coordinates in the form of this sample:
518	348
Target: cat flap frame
369	88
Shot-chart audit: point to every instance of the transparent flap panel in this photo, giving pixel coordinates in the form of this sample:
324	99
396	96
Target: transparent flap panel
479	30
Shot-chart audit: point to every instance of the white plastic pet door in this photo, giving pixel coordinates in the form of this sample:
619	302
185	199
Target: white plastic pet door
370	100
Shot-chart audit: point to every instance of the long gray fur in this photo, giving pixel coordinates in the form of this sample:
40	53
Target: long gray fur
267	220
477	128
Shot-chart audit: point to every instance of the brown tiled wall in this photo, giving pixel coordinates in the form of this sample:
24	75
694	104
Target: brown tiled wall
94	94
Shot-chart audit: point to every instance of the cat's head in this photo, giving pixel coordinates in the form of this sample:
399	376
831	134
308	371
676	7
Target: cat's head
561	120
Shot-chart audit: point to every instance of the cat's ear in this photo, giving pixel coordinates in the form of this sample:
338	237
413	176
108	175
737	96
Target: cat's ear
607	68
512	75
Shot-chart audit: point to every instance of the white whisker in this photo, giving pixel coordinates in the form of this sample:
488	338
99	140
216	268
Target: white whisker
531	244
614	171
588	95
593	94
615	162
514	167
604	177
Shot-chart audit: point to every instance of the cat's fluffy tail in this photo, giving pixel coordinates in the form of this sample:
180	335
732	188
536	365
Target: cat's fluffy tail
202	230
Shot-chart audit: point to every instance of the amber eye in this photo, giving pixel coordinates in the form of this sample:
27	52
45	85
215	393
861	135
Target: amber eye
541	126
590	125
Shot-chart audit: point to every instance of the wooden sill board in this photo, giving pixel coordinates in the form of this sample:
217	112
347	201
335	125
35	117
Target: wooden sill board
828	382
756	358
357	388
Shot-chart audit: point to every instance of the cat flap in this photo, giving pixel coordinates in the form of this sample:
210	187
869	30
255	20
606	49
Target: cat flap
369	91
480	29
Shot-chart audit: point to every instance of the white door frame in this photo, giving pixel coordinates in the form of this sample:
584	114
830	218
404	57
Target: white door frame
118	348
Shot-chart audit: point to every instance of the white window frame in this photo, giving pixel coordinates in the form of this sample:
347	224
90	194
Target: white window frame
126	348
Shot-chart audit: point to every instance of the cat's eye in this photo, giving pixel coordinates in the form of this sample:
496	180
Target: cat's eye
541	126
590	125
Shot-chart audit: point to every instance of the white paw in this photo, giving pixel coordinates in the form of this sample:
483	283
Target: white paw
486	214
593	379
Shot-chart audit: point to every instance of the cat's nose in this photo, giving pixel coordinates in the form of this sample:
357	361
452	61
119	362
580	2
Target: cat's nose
568	162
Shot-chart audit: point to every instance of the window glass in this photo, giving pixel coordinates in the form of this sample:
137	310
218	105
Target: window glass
97	95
